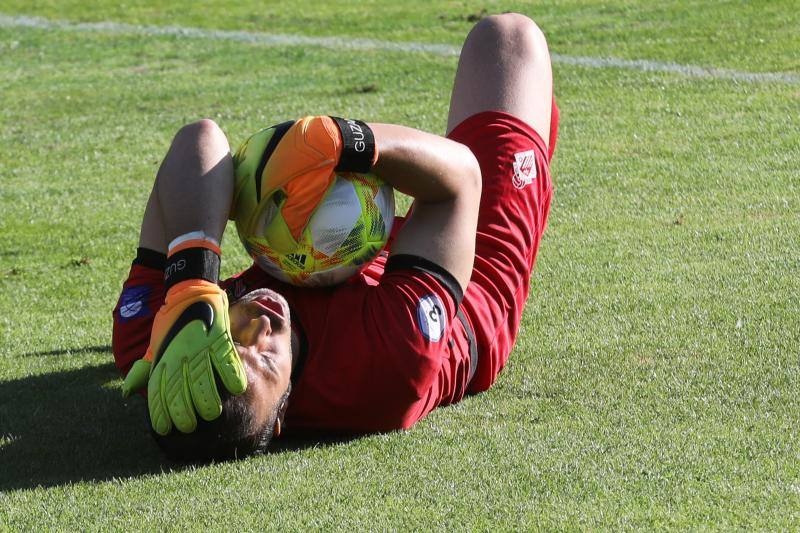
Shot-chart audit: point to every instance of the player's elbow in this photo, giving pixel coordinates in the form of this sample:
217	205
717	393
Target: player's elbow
470	172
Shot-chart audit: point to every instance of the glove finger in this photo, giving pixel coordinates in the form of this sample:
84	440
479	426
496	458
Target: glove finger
136	378
179	398
156	404
228	365
203	387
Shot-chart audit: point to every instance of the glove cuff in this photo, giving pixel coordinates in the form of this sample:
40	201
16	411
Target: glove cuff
191	263
359	152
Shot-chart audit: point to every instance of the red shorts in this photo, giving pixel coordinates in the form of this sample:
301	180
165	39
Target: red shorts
515	202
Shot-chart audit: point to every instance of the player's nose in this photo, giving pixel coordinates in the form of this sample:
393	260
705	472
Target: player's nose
257	329
263	326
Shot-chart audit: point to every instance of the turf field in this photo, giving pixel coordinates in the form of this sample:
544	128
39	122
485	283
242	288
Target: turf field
655	381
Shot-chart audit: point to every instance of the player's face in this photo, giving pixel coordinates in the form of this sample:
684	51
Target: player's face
263	335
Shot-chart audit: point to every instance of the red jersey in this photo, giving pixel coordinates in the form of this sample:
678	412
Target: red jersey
382	351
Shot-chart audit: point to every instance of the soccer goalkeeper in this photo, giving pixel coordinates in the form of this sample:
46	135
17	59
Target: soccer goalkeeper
228	365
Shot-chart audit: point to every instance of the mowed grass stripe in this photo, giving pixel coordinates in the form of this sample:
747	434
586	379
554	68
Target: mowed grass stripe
348	43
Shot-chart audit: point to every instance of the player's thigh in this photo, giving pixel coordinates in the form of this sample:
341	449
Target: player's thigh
504	66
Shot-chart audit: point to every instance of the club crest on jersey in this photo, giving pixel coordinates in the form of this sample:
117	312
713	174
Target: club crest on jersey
431	318
133	302
524	169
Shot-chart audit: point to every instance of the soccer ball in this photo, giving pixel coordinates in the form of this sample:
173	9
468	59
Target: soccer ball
347	228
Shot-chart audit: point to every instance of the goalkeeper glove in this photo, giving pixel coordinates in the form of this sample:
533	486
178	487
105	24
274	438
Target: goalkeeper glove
191	339
314	149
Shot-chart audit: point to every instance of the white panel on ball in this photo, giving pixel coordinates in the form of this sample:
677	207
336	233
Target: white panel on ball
335	217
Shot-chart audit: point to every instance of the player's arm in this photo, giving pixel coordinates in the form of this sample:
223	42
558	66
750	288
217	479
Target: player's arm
444	179
441	175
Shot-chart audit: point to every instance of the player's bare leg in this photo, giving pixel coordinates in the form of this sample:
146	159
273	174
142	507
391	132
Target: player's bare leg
197	167
185	217
504	66
195	181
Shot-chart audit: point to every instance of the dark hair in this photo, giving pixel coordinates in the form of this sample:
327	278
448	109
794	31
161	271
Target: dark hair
233	435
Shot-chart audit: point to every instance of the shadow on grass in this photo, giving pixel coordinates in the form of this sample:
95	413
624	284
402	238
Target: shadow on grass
67	427
298	443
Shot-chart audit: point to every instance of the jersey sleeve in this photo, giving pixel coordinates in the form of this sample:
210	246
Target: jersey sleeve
384	348
141	297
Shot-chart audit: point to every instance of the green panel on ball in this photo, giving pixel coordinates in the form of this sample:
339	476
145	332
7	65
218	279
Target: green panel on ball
246	161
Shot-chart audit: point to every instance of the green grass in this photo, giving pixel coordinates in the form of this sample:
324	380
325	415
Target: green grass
654	382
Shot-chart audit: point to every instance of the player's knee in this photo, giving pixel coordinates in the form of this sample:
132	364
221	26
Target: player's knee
511	35
201	131
472	173
195	149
